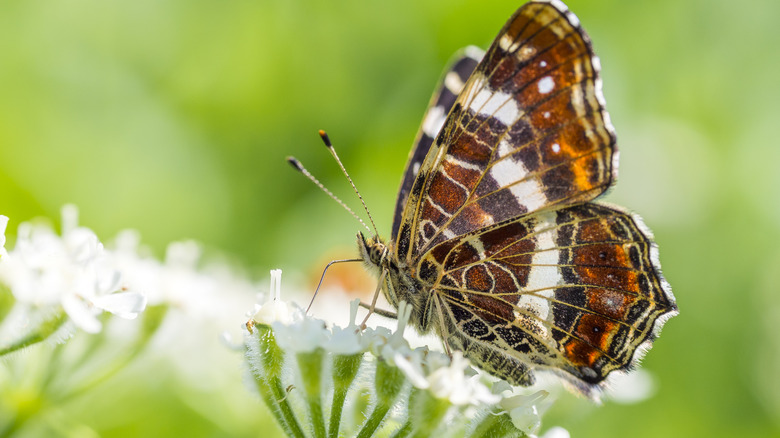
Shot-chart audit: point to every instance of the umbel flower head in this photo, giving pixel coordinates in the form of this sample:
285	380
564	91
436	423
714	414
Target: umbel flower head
69	277
320	380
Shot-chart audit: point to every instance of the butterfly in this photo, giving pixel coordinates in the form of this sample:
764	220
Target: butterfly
496	242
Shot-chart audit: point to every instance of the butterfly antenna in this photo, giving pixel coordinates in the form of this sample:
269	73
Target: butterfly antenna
332	150
299	167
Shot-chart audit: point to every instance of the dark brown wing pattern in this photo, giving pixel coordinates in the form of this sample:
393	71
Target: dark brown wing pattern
528	132
575	289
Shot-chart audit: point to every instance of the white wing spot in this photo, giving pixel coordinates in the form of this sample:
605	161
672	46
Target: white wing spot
433	122
530	193
416	168
543	64
506	42
512	174
496	104
466	165
506	172
546	84
453	82
504	148
546	114
556	147
526	53
559	5
573	19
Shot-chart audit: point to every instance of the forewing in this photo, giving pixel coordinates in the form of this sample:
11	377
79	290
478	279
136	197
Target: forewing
528	132
450	86
578	289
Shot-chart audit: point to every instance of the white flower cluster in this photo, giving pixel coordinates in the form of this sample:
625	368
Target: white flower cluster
64	301
74	271
73	274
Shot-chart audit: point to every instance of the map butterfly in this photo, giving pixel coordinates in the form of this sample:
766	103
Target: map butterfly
496	243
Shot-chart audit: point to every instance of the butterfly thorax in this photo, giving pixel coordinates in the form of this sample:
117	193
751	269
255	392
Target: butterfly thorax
399	283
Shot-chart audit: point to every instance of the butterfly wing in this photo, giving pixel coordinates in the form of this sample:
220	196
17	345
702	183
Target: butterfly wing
450	86
528	132
577	288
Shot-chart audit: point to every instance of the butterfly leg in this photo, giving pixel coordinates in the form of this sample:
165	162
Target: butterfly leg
442	328
372	307
380	312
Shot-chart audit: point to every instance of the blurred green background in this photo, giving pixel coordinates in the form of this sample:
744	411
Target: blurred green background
174	118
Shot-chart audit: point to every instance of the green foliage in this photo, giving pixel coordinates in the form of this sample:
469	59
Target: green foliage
174	118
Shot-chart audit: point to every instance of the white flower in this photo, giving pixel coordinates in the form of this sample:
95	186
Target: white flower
452	383
274	308
294	331
386	343
444	378
556	432
303	335
347	340
524	412
411	363
44	269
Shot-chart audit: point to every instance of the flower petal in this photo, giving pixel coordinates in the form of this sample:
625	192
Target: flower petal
80	314
123	304
556	432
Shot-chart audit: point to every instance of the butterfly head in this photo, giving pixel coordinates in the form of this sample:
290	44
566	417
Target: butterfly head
373	250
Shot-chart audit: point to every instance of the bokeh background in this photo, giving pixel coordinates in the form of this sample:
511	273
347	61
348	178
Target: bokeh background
174	118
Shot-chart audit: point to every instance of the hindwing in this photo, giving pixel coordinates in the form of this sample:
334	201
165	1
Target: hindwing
576	289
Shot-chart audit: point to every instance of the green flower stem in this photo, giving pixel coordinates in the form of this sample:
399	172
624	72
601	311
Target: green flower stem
267	394
345	368
269	381
310	365
426	411
389	382
279	399
44	330
403	431
271	356
496	426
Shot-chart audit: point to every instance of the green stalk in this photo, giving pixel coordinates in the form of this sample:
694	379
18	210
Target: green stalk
389	382
403	431
426	411
279	399
345	369
44	330
267	394
310	365
496	426
275	396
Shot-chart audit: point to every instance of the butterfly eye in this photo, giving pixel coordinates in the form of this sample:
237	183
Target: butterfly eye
377	253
